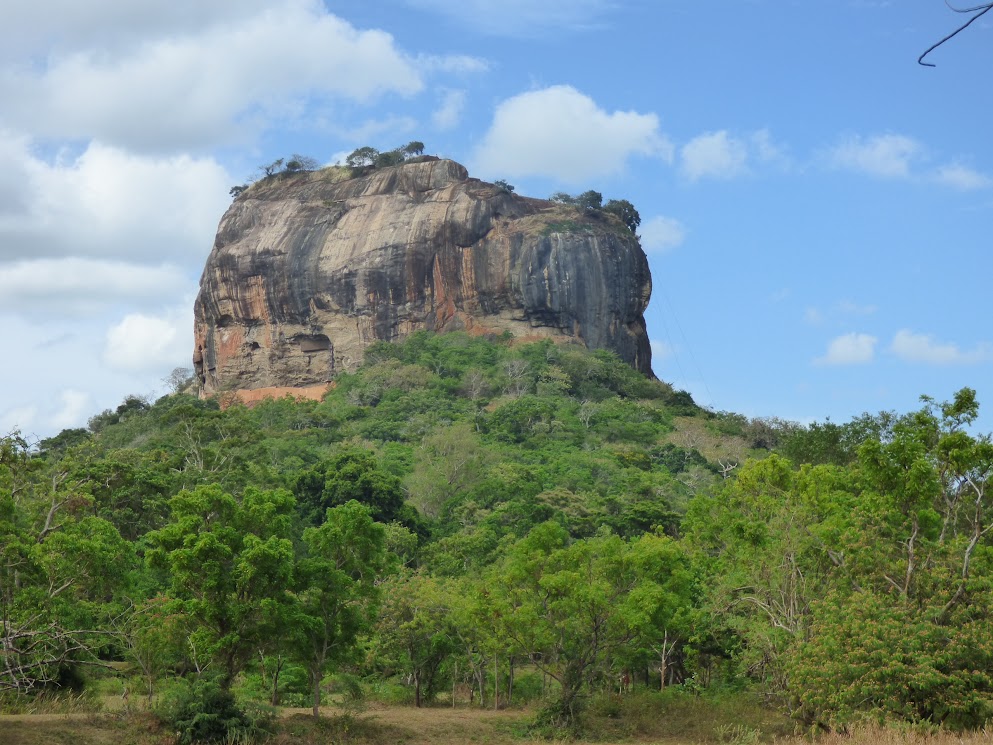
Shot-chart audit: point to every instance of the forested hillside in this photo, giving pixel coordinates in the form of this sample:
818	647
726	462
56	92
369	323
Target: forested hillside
493	523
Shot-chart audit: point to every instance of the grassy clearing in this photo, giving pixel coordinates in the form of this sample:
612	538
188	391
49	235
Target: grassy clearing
644	718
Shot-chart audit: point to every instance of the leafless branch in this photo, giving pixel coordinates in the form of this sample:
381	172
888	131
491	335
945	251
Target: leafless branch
979	10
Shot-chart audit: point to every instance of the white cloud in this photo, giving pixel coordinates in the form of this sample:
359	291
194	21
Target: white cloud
765	150
561	133
76	285
912	347
849	307
458	64
661	234
142	343
373	130
74	408
106	202
849	349
20	418
519	17
962	177
207	85
660	350
449	111
883	156
714	155
61	25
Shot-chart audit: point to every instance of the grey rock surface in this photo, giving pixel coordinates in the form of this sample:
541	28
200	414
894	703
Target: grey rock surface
308	269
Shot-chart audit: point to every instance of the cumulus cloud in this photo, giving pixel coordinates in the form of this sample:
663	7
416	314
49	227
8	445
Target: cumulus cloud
849	349
518	17
912	347
201	86
561	133
145	343
76	285
449	111
661	234
962	177
882	156
73	408
713	155
20	418
107	202
61	25
721	155
660	350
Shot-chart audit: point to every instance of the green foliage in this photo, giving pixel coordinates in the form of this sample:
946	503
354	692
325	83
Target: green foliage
504	185
336	590
625	211
589	201
370	157
573	606
130	406
351	475
463	508
414	634
230	564
591	204
871	656
361	157
205	711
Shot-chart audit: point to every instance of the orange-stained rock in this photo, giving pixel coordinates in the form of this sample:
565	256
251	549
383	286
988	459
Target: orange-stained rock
309	269
251	397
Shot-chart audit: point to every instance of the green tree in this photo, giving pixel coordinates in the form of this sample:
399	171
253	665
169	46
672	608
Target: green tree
352	474
625	211
412	149
589	201
337	589
660	608
361	157
414	631
559	603
297	162
389	158
767	543
230	565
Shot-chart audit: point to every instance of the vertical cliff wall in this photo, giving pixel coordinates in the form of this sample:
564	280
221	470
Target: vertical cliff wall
308	269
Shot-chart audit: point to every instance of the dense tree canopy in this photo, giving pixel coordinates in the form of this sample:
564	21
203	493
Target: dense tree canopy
463	511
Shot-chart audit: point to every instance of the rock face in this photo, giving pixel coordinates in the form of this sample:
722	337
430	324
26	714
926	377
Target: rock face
308	269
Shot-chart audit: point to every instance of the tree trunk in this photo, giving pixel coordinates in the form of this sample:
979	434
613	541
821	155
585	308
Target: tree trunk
417	688
275	681
315	678
510	683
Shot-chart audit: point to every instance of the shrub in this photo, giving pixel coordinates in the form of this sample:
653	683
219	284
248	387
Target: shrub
205	712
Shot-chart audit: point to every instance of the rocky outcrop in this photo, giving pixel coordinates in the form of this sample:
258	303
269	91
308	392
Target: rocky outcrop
308	269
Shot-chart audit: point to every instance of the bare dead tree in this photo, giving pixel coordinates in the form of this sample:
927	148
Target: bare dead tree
979	11
726	468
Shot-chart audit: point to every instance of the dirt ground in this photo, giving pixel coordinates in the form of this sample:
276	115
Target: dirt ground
403	725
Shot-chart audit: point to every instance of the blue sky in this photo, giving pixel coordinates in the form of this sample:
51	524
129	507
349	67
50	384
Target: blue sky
817	207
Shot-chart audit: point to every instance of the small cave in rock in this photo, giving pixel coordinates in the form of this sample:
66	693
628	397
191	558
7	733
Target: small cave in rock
319	350
313	343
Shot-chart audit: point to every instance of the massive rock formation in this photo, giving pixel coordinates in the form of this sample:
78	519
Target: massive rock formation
310	268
